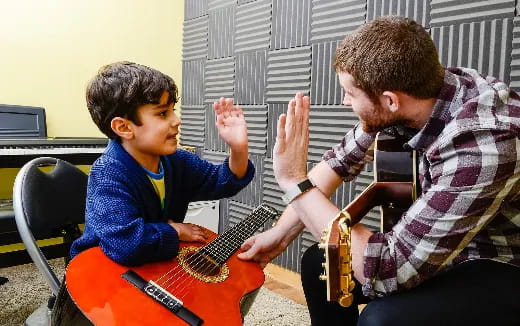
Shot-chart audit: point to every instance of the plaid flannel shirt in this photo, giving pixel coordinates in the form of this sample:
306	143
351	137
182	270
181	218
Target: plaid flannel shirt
469	170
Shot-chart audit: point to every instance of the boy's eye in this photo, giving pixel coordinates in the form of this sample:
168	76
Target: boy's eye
163	113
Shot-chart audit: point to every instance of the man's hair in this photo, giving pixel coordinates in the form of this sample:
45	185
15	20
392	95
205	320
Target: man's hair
391	54
120	88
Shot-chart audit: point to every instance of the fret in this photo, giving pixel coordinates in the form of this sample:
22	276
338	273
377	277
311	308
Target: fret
225	245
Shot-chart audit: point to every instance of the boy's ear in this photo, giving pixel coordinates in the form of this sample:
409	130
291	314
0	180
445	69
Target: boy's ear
390	100
121	127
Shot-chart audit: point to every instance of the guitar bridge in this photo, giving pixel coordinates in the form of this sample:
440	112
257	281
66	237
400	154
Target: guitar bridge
166	299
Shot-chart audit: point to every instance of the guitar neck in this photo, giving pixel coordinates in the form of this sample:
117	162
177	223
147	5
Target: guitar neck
226	244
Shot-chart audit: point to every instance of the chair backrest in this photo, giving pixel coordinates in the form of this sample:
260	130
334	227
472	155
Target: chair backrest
48	204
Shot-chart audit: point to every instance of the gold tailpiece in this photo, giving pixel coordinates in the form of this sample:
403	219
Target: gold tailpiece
345	268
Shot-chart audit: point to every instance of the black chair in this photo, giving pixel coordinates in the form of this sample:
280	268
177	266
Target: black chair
48	204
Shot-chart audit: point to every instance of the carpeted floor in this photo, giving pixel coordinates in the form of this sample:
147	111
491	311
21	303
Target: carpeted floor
26	291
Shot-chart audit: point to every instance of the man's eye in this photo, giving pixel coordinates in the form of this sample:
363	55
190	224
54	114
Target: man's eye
163	113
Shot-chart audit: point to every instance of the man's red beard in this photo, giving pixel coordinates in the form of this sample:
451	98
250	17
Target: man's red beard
380	119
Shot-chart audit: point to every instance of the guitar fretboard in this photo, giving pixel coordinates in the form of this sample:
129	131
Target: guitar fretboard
226	244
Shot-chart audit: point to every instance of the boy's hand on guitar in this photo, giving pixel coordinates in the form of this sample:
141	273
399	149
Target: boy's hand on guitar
231	124
189	231
263	247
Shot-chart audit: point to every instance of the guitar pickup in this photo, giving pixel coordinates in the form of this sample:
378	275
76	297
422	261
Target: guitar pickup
166	299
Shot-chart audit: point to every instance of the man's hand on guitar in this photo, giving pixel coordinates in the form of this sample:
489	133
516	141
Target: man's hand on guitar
263	247
189	231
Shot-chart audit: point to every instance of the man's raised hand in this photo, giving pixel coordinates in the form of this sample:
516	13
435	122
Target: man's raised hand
292	142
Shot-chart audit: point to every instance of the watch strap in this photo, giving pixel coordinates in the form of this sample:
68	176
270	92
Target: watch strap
297	190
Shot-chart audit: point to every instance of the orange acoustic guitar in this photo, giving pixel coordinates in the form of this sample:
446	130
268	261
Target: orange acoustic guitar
204	284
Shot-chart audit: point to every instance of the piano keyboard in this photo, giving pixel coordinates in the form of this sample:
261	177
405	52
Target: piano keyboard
50	151
15	152
52	142
6	204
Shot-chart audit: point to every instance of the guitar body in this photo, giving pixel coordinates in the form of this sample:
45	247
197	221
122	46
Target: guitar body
95	284
392	163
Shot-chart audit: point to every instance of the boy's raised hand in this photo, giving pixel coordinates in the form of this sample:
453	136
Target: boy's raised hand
231	124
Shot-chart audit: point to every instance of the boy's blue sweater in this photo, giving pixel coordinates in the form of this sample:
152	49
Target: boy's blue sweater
123	211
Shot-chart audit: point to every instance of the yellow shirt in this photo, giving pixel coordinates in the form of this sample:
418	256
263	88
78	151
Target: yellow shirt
157	180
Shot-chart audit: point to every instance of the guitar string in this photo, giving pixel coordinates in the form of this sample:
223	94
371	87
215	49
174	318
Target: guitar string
218	245
195	261
182	288
204	261
189	260
208	249
184	291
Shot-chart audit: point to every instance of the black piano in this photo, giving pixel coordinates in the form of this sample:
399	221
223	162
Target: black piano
23	137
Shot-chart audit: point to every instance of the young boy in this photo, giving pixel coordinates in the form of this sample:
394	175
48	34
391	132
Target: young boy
139	189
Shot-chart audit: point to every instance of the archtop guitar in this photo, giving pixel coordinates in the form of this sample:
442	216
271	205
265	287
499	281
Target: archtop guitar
394	189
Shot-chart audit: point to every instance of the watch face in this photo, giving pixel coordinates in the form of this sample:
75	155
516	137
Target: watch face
297	190
305	185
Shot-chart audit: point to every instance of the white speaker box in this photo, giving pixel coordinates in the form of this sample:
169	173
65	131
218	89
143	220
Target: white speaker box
204	213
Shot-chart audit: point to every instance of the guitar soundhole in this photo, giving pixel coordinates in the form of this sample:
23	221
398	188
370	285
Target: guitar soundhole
202	264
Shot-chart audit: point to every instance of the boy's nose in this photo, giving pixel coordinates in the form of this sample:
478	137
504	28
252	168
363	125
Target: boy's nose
176	120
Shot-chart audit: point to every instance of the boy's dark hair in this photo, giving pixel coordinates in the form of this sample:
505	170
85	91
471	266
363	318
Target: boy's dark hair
120	88
391	54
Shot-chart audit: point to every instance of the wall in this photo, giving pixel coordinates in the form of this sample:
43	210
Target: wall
50	50
261	52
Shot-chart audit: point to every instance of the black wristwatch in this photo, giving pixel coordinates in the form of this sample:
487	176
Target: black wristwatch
297	190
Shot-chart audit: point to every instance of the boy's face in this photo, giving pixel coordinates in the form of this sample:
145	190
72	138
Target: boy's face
157	134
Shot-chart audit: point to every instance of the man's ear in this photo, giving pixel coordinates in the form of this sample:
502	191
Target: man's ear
391	100
122	128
